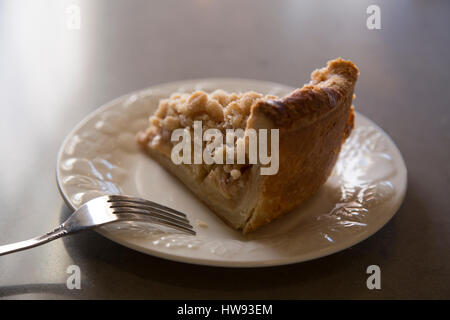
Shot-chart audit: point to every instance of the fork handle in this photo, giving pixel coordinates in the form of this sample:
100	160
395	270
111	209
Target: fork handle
59	232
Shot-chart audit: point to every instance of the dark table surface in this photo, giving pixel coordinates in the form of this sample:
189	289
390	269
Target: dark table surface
52	76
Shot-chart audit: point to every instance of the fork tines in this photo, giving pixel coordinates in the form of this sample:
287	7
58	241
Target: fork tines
131	208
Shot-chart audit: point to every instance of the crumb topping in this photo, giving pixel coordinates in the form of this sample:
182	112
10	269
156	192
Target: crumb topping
217	110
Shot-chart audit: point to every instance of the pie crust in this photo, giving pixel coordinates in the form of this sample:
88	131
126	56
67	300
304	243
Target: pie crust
313	122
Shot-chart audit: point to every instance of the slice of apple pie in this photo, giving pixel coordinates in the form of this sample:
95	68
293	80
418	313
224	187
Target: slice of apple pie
310	124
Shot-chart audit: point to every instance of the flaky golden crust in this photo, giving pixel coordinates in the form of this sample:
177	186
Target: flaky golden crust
327	89
313	122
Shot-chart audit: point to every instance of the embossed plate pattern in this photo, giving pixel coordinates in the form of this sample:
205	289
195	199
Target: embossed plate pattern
100	157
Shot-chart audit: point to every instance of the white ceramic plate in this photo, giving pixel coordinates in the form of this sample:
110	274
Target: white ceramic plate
100	157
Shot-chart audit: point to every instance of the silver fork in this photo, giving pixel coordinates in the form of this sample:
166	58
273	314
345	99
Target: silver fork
104	210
